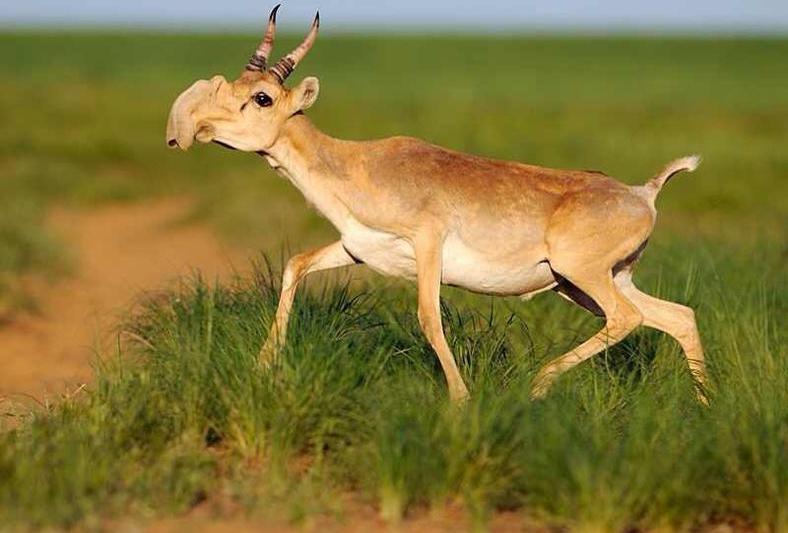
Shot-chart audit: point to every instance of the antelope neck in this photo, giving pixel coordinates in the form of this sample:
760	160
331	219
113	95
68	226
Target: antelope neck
303	149
321	167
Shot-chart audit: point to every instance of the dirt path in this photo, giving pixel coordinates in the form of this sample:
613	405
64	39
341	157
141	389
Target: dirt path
119	251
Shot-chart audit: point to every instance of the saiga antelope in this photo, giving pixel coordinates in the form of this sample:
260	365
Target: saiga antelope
412	209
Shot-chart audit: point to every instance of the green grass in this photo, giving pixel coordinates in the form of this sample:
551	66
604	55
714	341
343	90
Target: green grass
87	124
359	405
25	248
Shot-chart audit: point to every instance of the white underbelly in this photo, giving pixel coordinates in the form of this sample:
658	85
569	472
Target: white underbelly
514	275
462	266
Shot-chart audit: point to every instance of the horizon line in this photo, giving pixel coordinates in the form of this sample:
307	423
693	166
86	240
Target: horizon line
342	29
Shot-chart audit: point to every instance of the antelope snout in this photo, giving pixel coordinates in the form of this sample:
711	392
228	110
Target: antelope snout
181	130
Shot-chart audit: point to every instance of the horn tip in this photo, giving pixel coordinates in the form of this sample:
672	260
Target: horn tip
272	16
317	18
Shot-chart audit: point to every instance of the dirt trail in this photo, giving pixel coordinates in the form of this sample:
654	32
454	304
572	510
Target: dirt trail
119	251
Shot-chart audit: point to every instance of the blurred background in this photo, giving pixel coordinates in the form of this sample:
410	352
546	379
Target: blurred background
90	197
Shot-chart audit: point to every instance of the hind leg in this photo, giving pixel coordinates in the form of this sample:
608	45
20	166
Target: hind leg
589	233
621	318
676	320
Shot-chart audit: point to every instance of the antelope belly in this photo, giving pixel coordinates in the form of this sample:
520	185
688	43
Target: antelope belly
463	266
486	273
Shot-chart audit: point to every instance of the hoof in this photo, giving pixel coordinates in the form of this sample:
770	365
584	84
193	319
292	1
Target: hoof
459	396
268	355
700	395
539	389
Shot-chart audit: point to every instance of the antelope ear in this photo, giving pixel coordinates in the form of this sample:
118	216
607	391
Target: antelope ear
305	93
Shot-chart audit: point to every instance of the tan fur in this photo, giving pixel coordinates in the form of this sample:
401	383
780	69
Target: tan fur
412	209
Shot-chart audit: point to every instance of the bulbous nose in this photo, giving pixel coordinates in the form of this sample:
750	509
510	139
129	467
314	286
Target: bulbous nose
180	126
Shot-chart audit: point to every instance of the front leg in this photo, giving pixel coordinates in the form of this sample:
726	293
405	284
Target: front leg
331	256
429	267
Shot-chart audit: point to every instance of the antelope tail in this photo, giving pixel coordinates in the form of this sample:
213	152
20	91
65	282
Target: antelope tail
655	184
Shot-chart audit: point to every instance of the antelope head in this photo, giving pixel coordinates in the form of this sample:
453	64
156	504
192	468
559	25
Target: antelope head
246	114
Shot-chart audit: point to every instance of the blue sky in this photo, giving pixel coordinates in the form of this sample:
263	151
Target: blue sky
486	15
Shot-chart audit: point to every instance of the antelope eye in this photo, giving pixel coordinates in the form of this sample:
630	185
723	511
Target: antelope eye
262	99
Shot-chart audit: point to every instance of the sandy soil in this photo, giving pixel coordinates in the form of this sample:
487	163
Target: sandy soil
120	250
357	518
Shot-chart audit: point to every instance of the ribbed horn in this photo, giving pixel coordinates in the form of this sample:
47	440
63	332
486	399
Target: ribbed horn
285	66
259	60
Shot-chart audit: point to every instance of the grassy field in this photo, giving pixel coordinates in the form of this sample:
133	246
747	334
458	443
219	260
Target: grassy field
358	406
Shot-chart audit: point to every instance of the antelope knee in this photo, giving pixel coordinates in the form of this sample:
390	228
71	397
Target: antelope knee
626	320
429	322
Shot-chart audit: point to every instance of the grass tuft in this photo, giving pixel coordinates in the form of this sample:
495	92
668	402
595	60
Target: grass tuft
357	405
